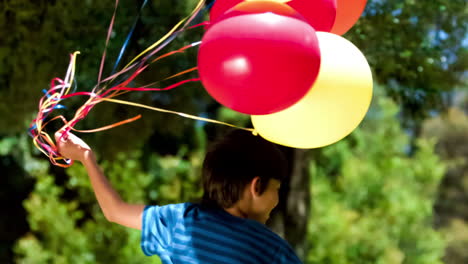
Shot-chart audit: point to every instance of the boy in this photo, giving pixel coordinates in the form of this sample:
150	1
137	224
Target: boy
241	178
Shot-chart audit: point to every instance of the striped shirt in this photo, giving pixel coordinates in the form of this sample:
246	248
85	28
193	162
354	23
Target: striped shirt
191	233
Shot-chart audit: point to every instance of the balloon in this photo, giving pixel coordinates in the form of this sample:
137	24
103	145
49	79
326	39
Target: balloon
333	108
260	6
319	13
259	63
347	14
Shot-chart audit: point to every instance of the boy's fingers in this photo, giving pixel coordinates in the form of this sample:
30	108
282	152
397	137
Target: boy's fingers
59	135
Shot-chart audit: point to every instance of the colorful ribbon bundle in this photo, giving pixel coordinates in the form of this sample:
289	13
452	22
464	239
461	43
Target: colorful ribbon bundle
61	89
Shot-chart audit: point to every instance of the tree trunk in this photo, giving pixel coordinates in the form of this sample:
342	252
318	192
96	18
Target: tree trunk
290	218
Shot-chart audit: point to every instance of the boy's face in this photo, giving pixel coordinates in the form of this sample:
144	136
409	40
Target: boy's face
264	203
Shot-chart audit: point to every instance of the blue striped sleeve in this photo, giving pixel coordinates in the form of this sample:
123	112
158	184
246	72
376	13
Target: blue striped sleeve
286	255
157	225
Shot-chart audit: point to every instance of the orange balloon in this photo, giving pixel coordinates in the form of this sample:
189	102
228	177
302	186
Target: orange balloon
258	7
347	14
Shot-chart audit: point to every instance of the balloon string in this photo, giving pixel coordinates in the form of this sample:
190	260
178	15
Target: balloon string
188	18
123	122
175	113
60	90
177	51
157	47
109	32
181	73
129	36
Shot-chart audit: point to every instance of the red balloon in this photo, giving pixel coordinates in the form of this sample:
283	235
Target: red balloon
319	13
347	14
259	63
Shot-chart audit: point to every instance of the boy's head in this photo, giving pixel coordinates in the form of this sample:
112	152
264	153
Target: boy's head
242	162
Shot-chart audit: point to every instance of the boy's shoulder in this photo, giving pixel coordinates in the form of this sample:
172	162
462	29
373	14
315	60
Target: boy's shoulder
210	217
203	225
247	231
213	218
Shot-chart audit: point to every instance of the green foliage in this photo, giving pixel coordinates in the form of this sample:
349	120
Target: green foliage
415	48
178	178
20	148
30	30
372	203
230	116
68	226
59	219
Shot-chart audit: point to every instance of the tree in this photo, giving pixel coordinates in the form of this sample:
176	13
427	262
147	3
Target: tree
30	31
371	202
451	132
416	50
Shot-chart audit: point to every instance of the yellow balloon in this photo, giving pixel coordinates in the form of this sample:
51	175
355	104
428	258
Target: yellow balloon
334	106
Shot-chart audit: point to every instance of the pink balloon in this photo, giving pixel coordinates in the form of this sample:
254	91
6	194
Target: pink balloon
259	63
319	13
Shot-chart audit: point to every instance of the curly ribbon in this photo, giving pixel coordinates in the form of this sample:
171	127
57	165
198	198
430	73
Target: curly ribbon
61	89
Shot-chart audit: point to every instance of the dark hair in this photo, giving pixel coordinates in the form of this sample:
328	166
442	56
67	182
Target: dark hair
231	163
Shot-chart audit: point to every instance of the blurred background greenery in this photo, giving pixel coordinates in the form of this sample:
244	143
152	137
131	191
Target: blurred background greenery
394	191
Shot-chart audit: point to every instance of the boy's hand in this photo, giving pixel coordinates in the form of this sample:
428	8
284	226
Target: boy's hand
72	147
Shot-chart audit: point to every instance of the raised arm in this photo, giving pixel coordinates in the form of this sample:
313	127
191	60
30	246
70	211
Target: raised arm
114	208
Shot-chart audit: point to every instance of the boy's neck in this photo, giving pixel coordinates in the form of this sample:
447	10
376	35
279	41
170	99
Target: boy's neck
236	211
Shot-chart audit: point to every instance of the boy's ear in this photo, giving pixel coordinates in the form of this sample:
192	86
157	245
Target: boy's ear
255	186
